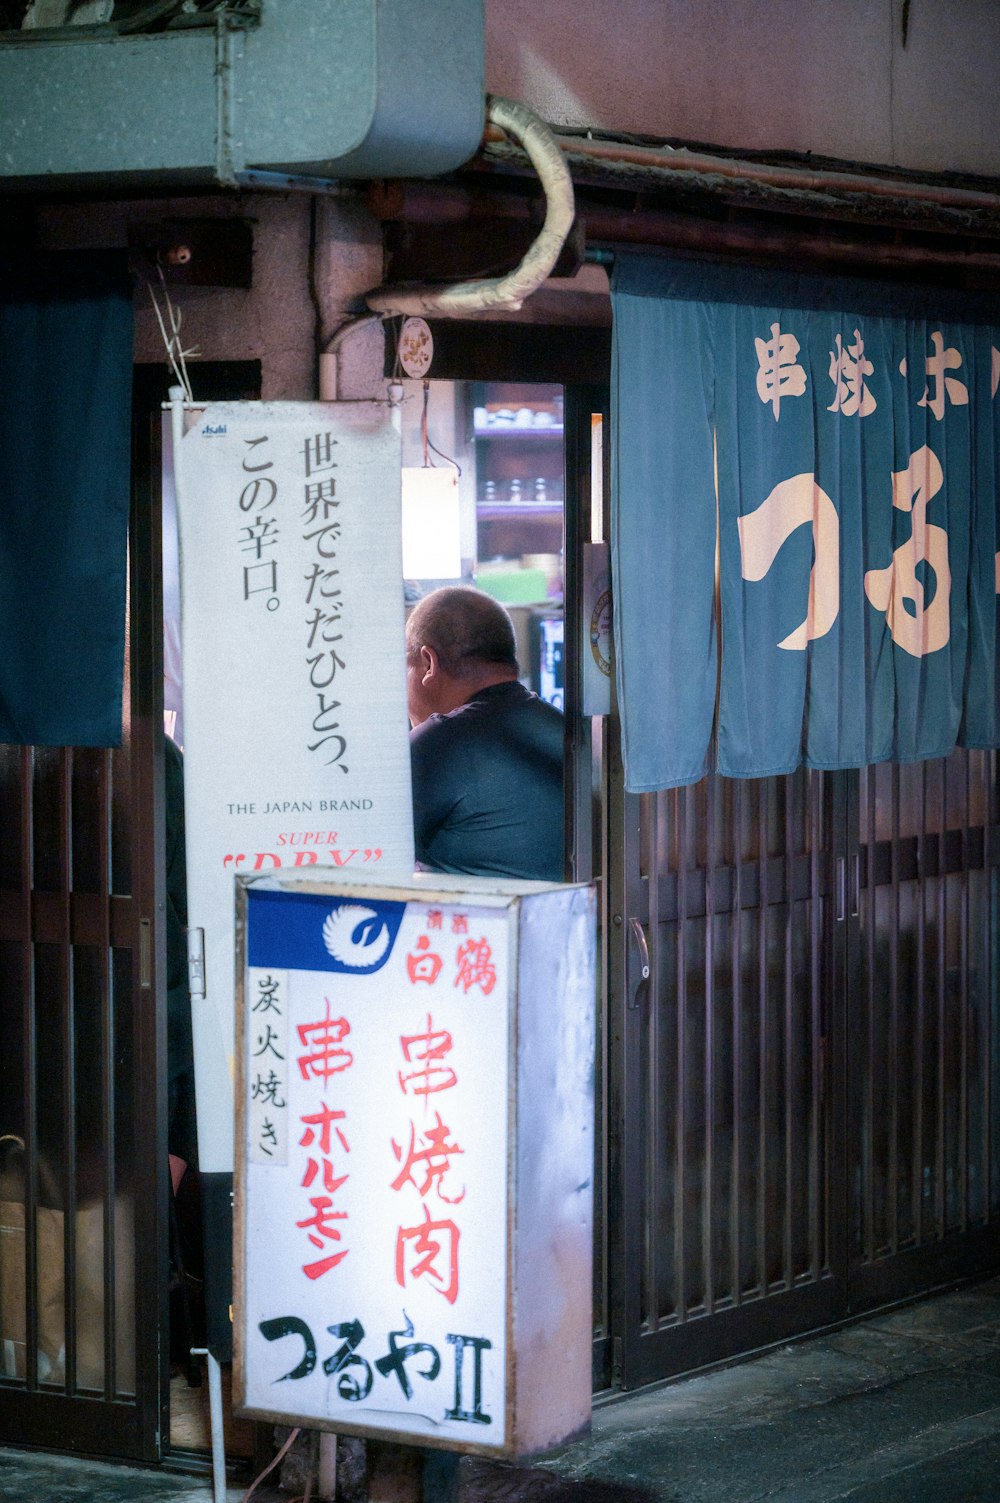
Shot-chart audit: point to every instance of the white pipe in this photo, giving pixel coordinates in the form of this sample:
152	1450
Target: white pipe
510	291
329	360
218	1442
177	401
216	1423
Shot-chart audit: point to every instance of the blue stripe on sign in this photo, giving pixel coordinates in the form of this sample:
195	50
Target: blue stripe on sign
299	931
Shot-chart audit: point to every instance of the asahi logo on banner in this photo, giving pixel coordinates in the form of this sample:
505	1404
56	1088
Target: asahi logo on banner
296	752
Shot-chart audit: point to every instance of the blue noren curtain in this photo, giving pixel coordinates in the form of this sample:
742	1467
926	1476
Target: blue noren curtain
65	422
838	441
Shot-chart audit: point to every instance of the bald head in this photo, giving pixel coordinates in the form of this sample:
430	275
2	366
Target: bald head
458	641
466	628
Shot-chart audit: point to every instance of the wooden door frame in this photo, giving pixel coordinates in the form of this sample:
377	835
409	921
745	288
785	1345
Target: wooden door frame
584	863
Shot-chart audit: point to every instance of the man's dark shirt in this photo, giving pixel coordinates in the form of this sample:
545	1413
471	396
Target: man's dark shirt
488	786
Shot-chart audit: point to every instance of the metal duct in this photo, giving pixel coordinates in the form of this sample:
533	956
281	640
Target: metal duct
326	88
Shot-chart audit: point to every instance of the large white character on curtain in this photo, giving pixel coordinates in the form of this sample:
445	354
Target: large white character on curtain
946	388
924	628
792	504
778	374
848	369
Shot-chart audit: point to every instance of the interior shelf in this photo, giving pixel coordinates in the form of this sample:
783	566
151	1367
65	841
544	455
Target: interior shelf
511	431
503	511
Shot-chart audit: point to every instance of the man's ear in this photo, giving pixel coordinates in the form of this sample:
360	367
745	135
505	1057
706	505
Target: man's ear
430	665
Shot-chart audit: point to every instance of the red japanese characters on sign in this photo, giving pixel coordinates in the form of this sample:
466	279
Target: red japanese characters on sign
324	1039
426	1051
423	964
428	1250
324	1057
434	1159
475	967
459	921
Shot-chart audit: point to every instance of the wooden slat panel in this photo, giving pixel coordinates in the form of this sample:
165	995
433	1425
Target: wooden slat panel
85	918
926	1145
735	1144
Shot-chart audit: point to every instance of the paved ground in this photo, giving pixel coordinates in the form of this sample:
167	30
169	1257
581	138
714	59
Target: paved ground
901	1409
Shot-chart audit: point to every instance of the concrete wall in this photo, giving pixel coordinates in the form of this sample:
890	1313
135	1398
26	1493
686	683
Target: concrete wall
827	76
297	299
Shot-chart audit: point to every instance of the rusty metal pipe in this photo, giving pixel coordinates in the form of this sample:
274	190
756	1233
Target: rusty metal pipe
681	160
447	204
647	227
443	203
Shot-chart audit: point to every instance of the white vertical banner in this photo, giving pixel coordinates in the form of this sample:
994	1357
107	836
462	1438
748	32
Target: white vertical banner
295	744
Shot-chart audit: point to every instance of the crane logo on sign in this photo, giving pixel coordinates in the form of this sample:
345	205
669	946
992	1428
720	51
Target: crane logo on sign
354	935
359	938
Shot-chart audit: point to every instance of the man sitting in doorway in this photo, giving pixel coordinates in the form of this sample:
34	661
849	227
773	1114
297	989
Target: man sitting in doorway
486	753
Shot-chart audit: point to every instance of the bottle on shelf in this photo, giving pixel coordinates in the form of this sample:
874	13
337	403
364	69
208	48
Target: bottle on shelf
491	490
540	489
515	490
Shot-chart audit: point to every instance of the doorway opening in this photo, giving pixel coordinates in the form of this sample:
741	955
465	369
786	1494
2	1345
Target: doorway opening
483	493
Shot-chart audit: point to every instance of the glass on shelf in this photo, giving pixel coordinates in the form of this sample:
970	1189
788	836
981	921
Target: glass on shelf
500	420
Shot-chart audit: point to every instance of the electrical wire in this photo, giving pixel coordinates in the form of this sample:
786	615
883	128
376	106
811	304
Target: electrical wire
428	446
428	462
176	353
447	457
271	1466
396	324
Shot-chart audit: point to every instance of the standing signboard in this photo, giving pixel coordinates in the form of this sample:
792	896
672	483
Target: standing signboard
414	1159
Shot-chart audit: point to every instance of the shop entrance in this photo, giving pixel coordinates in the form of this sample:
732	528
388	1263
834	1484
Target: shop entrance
483	492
